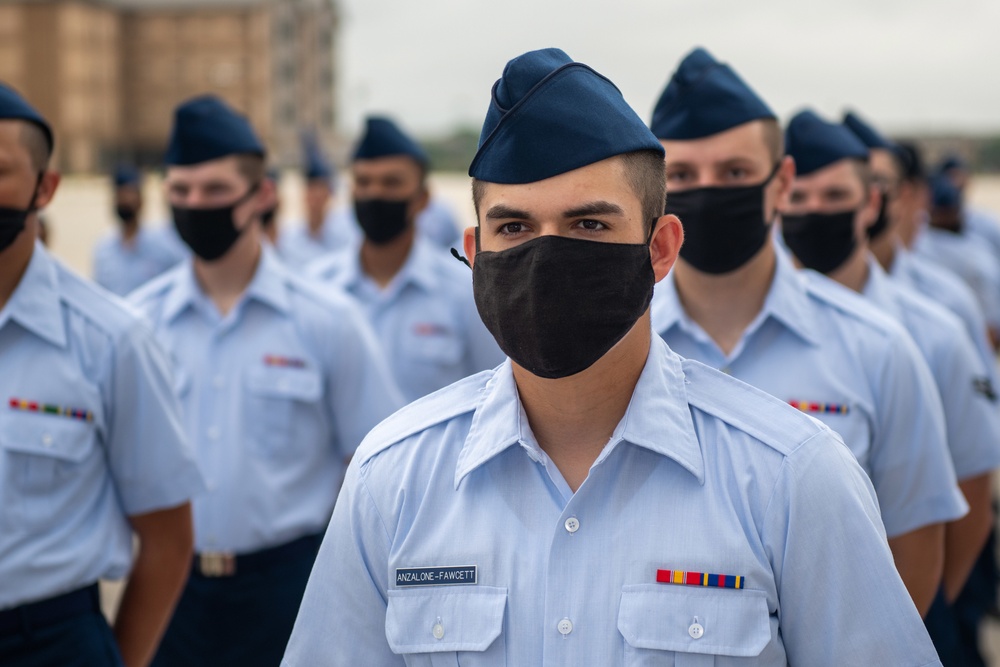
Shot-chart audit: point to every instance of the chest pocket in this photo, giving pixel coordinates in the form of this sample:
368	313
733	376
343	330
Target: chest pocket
42	454
433	341
657	622
279	400
447	626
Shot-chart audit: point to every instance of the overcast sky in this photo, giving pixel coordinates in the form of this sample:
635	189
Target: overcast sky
904	64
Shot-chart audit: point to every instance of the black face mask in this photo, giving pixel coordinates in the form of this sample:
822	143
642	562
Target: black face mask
882	222
723	227
382	220
557	305
209	232
820	241
13	220
126	214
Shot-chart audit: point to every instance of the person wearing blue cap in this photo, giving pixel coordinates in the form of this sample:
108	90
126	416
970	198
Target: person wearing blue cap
418	299
133	254
735	302
833	200
947	241
91	446
891	169
977	220
279	384
598	499
317	235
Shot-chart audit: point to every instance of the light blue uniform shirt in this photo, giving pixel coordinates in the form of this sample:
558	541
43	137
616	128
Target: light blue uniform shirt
819	344
277	395
122	268
297	247
426	318
940	284
68	484
984	224
971	417
702	474
969	257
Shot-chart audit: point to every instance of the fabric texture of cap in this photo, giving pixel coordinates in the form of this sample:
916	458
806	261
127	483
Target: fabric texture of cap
317	167
944	194
868	135
206	128
549	115
383	138
127	175
15	107
705	97
952	162
815	143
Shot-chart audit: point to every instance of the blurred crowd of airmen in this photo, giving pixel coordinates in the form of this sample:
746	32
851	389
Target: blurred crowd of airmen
754	426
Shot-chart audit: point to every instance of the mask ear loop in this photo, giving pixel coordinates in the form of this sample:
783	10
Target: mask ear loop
464	260
34	193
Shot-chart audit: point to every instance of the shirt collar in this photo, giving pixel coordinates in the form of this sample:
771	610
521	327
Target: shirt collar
787	302
878	288
267	286
658	417
36	303
418	269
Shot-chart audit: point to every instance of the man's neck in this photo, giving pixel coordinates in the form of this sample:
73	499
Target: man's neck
884	249
382	262
130	230
853	274
226	279
14	261
573	418
725	305
314	225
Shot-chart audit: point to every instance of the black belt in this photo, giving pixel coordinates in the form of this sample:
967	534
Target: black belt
224	564
41	614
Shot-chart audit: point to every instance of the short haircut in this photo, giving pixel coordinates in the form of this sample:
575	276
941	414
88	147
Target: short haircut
774	139
864	173
645	172
251	167
35	140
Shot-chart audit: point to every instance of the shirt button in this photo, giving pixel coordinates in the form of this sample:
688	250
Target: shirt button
214	433
47	440
696	631
565	627
572	524
437	631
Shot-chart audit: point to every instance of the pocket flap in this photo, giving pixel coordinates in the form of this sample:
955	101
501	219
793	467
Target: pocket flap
657	616
302	384
459	618
41	434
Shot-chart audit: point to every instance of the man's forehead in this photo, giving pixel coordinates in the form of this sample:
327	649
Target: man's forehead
224	168
389	164
842	173
743	142
603	181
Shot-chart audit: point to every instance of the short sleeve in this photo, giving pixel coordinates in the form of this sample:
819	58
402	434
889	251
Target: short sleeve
152	463
911	465
341	619
833	567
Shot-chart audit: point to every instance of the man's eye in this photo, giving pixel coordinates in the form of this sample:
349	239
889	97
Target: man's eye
592	225
737	173
796	198
678	177
511	228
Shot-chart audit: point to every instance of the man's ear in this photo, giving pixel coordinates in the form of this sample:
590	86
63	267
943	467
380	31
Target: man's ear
46	189
785	178
665	244
469	244
869	213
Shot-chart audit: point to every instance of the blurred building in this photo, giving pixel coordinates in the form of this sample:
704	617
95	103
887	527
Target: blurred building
108	73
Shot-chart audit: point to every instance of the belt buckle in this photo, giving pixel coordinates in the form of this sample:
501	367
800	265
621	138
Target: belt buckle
217	564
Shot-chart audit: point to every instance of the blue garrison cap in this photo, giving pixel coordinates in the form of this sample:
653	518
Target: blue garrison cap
206	128
383	138
15	107
815	143
952	161
868	135
705	97
549	115
944	194
127	175
317	167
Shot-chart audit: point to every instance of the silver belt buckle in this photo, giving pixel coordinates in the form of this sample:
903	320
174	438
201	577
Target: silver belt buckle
217	564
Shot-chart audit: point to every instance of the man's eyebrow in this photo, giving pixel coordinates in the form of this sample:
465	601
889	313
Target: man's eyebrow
594	208
504	212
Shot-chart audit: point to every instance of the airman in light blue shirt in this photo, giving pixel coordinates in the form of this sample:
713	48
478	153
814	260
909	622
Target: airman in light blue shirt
133	254
735	303
92	447
425	318
596	500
